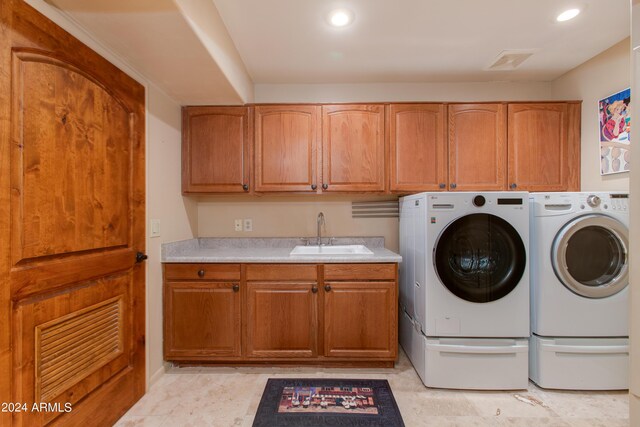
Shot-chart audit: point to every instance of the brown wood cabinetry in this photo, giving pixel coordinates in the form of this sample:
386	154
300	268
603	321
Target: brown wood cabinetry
286	148
202	311
342	148
215	150
417	147
360	319
259	313
353	148
477	147
544	146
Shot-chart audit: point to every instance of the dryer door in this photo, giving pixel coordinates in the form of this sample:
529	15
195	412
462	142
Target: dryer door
589	256
480	257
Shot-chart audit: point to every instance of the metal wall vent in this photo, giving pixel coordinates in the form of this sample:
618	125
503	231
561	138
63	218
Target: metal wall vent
379	209
510	59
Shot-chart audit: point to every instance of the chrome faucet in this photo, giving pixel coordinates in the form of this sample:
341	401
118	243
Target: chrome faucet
320	223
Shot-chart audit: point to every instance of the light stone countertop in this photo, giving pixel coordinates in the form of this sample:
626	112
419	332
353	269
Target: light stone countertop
269	250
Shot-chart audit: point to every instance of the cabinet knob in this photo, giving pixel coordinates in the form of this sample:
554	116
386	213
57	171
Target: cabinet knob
314	289
327	288
313	186
200	273
325	186
245	187
513	185
442	185
236	287
453	185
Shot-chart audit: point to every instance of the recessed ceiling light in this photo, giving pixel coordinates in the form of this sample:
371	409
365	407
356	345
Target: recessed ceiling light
568	14
340	17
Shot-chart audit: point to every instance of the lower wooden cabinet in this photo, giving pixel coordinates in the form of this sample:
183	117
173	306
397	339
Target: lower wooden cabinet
202	319
360	319
282	319
281	313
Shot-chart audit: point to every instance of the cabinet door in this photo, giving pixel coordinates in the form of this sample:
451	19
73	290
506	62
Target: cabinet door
215	149
353	148
286	145
202	319
544	147
360	319
281	320
417	149
477	147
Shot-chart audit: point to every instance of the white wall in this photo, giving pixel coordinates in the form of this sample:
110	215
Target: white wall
634	230
291	216
401	92
177	214
599	77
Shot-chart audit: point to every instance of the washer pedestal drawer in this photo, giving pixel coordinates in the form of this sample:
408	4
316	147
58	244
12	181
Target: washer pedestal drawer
477	363
579	363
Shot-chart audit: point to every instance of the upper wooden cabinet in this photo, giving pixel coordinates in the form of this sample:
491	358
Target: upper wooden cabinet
417	147
215	150
544	146
477	147
353	148
286	148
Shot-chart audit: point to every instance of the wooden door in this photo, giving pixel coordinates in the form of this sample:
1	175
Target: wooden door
281	319
477	147
215	150
353	148
360	319
286	145
417	148
544	147
72	194
202	320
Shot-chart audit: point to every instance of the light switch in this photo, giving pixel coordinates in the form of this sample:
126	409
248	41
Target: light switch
248	224
155	228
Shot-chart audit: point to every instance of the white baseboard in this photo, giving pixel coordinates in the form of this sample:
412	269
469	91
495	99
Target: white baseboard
157	375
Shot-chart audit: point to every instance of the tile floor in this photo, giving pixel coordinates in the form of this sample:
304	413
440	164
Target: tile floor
222	397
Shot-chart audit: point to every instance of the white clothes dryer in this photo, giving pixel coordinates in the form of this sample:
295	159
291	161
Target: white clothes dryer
579	290
467	289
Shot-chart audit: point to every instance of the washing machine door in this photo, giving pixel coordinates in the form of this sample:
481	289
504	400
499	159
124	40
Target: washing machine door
589	256
479	257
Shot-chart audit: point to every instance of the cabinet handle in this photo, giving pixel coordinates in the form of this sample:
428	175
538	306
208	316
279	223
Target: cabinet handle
327	288
314	289
453	185
236	287
200	273
442	185
513	185
245	187
313	186
325	186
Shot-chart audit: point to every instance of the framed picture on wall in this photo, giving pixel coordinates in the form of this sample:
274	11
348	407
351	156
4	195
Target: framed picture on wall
615	130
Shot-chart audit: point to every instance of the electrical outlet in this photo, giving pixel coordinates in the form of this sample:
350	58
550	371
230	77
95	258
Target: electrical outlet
248	224
238	224
154	228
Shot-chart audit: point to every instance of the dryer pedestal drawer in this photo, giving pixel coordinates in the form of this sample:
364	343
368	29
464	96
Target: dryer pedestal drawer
477	363
580	363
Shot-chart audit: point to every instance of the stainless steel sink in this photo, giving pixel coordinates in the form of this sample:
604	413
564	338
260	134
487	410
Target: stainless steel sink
330	250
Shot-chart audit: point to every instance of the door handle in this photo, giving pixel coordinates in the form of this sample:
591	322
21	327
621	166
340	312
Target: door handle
140	257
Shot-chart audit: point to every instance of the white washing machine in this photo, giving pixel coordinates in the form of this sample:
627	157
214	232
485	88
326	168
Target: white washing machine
579	290
465	288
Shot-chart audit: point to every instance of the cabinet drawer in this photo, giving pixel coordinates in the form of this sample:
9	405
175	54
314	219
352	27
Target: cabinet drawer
202	271
360	272
282	272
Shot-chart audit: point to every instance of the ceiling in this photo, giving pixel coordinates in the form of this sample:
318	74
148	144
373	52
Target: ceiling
217	51
289	41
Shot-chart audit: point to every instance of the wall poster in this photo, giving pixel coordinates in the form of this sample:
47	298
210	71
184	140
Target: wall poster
615	127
